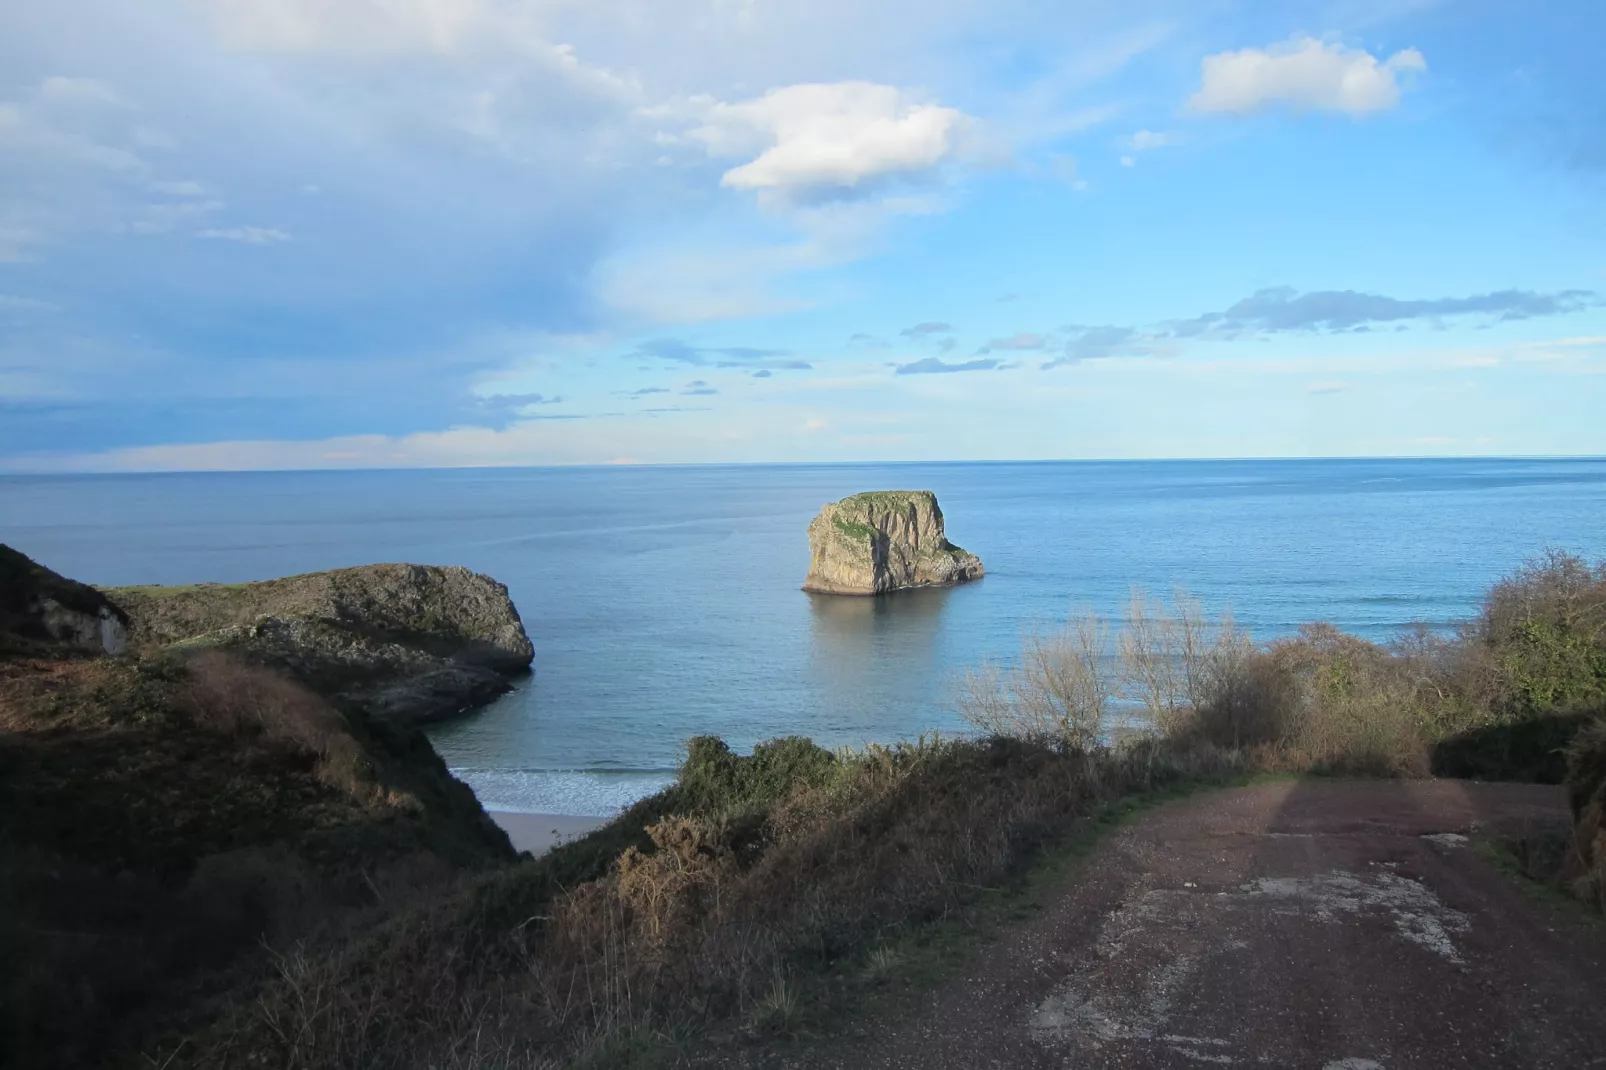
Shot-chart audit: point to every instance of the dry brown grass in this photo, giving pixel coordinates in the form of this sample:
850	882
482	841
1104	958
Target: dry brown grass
728	924
225	694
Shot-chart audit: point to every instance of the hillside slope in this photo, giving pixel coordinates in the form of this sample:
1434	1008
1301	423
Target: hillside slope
165	823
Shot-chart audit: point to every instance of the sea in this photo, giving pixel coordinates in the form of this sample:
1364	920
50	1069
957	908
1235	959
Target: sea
664	601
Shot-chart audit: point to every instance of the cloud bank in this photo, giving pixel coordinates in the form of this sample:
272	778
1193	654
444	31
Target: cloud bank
1303	74
1284	309
817	141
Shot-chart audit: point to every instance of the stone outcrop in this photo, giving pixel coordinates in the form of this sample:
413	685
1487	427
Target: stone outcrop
884	541
404	643
45	613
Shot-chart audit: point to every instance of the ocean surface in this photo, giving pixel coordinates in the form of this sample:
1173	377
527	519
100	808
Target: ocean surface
663	601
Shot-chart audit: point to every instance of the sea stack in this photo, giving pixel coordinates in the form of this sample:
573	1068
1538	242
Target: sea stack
885	540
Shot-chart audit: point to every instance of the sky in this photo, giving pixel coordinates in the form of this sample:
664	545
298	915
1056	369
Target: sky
241	234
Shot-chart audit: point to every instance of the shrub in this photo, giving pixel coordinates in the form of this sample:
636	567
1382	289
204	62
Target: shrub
1169	661
1544	632
1532	751
1061	689
706	922
713	780
1322	700
1174	660
225	694
1586	789
1255	704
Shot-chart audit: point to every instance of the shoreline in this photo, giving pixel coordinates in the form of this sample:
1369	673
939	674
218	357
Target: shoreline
539	833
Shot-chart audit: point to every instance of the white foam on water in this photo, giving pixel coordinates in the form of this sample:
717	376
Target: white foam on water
580	794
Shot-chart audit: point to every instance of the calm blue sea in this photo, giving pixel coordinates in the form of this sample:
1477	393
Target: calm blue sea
664	602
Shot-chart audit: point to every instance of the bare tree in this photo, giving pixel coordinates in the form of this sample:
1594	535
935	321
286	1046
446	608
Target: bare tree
1176	660
1170	660
1061	689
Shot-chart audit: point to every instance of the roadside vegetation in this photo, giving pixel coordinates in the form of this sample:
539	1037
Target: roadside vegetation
1501	698
755	894
758	892
1516	693
756	898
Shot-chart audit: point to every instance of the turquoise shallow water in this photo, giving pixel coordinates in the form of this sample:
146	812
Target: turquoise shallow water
664	602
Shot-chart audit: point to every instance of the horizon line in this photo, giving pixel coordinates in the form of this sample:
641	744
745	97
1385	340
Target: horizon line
1267	458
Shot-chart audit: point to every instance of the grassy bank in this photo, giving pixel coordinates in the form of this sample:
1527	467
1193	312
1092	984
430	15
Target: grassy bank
159	830
242	874
740	896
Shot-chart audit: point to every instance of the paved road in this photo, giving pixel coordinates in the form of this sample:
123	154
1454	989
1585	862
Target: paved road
1325	925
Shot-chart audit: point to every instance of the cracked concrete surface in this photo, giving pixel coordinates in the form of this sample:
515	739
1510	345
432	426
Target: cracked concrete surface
1325	925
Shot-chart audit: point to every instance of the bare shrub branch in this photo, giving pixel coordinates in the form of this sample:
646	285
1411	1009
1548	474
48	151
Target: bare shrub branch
1061	690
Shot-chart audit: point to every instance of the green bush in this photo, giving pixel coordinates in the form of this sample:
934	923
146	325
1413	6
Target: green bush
1586	789
715	781
1543	631
1532	750
1495	702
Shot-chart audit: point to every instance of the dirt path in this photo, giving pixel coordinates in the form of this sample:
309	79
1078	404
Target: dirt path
1328	925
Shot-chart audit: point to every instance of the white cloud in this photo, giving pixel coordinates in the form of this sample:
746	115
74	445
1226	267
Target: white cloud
1305	74
1145	140
34	132
247	235
817	140
162	218
69	163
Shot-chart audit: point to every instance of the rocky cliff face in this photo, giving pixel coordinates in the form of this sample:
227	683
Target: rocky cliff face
884	541
163	821
42	612
406	643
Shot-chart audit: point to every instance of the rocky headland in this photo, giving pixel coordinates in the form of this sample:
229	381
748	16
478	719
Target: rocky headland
402	643
191	776
883	541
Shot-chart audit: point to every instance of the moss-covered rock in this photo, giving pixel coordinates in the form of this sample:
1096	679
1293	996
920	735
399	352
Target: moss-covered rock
884	541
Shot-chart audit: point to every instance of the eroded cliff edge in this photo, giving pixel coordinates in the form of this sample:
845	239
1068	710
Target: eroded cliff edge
402	643
883	541
173	826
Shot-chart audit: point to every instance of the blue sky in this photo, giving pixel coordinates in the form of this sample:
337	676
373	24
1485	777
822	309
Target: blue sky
344	233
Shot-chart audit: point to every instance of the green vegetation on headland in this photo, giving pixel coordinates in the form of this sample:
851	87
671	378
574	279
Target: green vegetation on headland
206	864
854	529
162	590
889	499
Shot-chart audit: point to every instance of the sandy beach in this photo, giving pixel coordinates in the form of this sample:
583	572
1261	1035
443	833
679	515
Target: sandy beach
539	833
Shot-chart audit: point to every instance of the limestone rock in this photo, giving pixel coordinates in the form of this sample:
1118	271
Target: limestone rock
405	643
42	612
884	541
